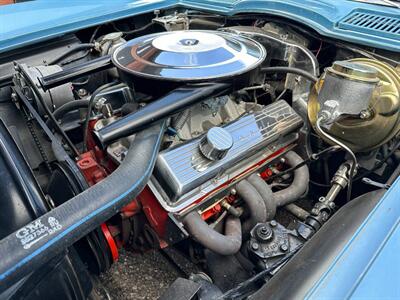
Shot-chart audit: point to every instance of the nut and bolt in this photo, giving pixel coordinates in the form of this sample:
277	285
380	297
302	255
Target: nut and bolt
264	230
14	97
254	246
107	110
273	223
284	247
324	216
264	233
99	103
82	93
233	192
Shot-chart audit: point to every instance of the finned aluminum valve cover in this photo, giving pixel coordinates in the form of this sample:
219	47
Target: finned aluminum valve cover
183	174
192	55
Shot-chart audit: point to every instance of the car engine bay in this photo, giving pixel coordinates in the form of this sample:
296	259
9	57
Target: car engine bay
235	140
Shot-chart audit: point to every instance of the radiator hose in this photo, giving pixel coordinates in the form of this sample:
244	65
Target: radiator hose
61	227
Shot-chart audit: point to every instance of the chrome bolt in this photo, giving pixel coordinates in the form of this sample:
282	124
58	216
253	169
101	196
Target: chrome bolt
14	97
82	93
365	114
254	246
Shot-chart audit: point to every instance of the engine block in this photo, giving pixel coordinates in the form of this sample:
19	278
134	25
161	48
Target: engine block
183	176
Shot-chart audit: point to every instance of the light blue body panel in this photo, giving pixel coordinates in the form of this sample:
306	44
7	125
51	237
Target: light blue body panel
369	266
29	22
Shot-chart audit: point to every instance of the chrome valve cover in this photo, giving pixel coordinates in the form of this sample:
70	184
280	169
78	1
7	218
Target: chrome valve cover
183	174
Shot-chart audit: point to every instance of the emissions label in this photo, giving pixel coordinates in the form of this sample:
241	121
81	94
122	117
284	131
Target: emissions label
37	230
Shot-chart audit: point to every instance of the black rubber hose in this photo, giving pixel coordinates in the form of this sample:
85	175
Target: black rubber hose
71	51
60	112
300	181
255	204
266	193
70	106
227	244
305	74
61	227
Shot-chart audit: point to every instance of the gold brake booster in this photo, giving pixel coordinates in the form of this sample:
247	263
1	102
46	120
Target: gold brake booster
358	102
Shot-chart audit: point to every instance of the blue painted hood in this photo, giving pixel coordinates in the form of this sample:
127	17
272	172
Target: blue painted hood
30	22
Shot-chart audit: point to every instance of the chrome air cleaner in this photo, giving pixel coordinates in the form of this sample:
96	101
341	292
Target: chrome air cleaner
189	56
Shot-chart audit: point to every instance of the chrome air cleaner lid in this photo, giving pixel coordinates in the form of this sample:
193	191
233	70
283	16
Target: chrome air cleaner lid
190	56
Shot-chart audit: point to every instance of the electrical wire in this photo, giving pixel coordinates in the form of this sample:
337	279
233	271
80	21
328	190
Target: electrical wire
313	157
87	52
291	70
346	148
71	51
93	36
133	31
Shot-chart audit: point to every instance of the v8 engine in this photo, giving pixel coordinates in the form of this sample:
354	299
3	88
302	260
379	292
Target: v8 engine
233	140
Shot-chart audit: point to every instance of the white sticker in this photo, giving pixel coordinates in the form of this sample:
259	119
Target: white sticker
35	231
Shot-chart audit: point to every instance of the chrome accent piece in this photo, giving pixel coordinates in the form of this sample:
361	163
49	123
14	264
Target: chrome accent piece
185	174
190	56
216	143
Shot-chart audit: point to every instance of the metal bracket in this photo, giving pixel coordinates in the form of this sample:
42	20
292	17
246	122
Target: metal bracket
369	181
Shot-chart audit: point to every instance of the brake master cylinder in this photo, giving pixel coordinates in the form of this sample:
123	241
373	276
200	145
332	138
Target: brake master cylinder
358	103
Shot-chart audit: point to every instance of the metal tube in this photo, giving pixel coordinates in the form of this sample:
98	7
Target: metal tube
70	74
174	102
297	211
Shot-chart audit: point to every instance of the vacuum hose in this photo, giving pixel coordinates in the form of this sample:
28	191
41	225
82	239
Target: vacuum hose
61	227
